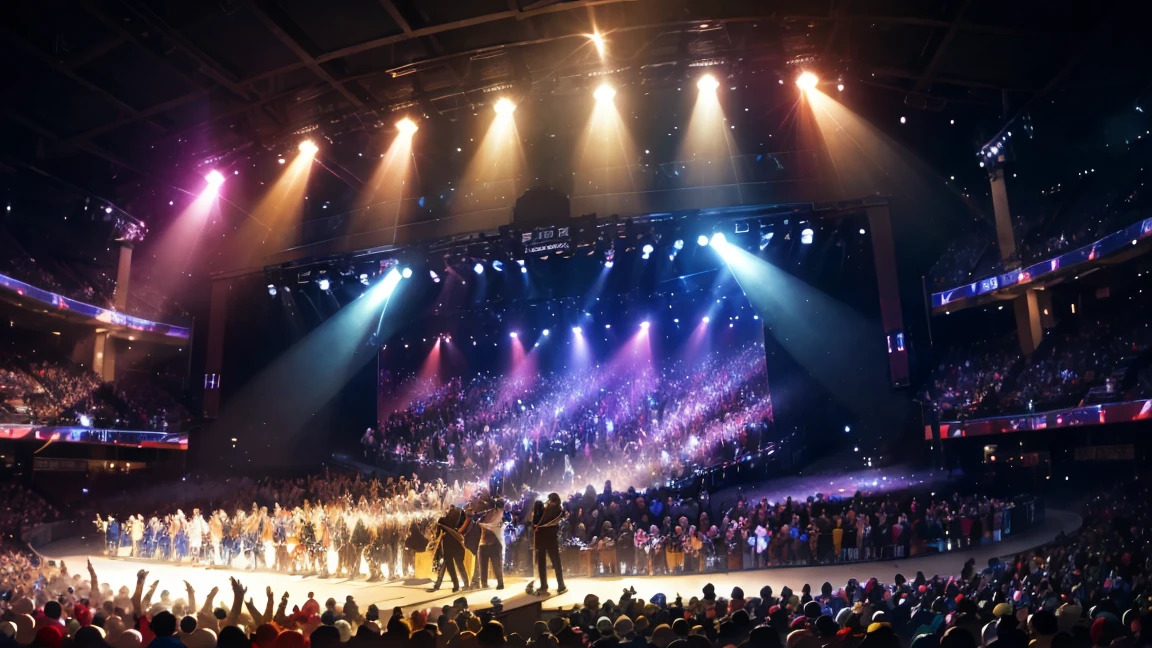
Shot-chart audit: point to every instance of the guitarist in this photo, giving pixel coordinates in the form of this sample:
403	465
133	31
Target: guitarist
546	520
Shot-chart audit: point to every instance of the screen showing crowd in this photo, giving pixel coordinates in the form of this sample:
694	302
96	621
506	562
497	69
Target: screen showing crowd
634	390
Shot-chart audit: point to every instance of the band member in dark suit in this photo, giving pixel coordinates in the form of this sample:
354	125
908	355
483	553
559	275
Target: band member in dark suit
546	521
452	546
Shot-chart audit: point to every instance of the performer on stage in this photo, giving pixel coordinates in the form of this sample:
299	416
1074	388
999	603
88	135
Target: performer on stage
452	546
546	519
492	544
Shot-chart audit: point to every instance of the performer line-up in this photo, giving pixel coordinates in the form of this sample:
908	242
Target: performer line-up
341	539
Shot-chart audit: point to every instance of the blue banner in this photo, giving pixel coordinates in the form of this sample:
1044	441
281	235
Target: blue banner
60	303
1103	247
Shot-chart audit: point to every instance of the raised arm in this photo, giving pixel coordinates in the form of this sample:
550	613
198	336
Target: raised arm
191	597
238	592
207	609
138	593
268	607
94	596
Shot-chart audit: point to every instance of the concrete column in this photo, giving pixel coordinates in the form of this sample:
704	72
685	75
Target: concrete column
1004	234
104	356
1028	329
123	276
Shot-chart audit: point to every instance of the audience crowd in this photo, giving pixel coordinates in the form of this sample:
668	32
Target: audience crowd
994	378
57	392
1081	590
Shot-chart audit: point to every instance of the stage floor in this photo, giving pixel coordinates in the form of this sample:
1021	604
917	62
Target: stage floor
412	595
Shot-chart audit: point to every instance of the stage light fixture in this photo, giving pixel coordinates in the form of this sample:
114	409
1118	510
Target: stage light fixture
504	106
498	265
707	83
609	263
435	277
644	325
702	240
862	231
214	178
406	273
364	278
308	147
647	249
576	330
604	93
324	284
406	126
272	290
718	239
546	332
806	236
478	268
706	319
607	326
765	239
523	270
678	245
807	80
513	335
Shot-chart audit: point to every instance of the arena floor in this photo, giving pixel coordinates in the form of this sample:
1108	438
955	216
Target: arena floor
409	596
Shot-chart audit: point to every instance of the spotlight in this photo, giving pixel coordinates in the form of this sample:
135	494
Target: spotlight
478	268
609	263
647	249
272	290
504	106
498	265
406	273
308	147
807	80
706	319
604	93
702	240
679	244
607	326
546	332
861	231
435	277
598	41
576	330
364	279
806	236
840	87
214	178
707	83
513	335
718	239
644	325
406	126
324	284
523	270
108	209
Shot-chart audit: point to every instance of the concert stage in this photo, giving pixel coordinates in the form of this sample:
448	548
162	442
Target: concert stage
412	595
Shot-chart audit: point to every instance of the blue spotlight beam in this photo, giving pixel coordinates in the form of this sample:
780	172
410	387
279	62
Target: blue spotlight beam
271	410
841	348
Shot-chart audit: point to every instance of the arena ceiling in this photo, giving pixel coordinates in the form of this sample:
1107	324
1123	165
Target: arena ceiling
115	91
